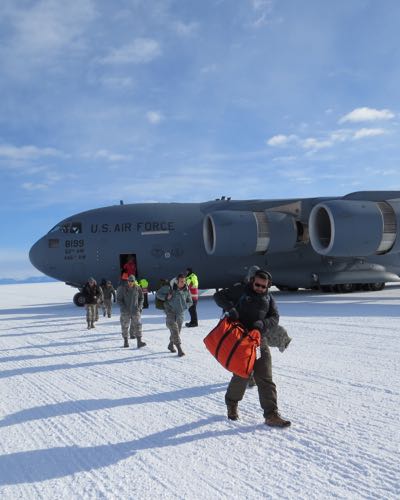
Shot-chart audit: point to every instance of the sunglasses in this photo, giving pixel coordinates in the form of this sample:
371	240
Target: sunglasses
260	285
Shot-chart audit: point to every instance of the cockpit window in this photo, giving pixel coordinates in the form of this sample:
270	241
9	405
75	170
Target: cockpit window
76	227
54	243
67	227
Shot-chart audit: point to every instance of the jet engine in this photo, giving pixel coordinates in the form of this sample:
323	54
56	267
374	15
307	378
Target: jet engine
237	234
346	228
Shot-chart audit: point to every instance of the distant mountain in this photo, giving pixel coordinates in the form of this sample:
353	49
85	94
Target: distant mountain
32	279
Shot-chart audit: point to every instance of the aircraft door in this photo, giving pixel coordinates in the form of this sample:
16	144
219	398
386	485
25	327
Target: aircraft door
128	265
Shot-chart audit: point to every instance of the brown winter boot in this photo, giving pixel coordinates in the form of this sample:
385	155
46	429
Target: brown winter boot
140	343
171	347
180	352
126	343
232	410
275	420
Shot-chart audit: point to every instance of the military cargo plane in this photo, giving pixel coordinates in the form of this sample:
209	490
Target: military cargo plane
332	243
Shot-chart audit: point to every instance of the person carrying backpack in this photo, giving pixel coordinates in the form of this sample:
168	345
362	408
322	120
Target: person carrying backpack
176	299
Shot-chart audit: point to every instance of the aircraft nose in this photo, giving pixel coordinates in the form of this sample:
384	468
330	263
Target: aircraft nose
37	256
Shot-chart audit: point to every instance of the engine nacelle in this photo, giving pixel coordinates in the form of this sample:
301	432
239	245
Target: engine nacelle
238	234
344	228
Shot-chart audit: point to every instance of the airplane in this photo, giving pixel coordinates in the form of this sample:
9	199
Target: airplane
329	243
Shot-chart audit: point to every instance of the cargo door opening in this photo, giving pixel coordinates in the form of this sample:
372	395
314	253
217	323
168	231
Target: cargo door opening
128	265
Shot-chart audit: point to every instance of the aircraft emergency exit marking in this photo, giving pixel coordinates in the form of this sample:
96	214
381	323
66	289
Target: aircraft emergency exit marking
147	227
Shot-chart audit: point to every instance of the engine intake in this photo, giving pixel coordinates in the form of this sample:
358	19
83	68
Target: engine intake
238	234
343	228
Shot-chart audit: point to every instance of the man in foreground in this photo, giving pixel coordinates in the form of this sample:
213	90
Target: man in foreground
255	308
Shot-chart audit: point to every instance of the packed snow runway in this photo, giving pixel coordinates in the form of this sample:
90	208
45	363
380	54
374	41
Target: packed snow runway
80	417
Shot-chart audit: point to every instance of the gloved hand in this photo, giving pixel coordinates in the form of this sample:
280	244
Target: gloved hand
258	325
233	314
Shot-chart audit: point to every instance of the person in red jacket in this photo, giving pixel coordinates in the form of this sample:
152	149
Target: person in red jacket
129	268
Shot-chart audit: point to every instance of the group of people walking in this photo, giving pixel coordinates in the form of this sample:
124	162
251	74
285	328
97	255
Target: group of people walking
132	297
248	302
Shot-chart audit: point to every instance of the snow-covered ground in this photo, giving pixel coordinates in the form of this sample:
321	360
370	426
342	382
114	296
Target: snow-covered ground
80	417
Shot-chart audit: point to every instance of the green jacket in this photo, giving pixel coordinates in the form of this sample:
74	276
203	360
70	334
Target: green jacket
180	299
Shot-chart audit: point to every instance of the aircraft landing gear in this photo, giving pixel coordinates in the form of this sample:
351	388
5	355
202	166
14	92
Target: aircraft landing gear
79	299
351	287
375	287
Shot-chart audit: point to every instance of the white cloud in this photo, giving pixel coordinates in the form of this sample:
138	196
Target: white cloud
27	152
340	135
141	50
284	159
367	115
368	132
263	9
117	82
281	140
38	33
32	186
211	68
154	117
314	144
104	154
184	29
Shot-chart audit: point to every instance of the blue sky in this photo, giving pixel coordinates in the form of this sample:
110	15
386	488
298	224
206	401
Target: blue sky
189	100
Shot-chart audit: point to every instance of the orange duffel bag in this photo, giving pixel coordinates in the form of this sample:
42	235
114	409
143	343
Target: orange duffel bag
233	346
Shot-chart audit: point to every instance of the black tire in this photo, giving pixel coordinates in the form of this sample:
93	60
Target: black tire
346	288
377	287
79	299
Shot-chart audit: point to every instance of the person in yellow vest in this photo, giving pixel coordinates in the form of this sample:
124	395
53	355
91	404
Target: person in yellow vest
192	282
144	285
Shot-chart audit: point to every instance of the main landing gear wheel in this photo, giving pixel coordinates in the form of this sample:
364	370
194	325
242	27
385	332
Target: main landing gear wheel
79	299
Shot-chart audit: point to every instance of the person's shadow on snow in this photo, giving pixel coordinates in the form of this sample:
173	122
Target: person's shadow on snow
42	465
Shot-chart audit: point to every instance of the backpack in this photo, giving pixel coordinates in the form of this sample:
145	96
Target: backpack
233	346
159	304
165	288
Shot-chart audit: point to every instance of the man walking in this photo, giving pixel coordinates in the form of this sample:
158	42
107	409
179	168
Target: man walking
130	300
254	307
93	294
108	298
176	300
